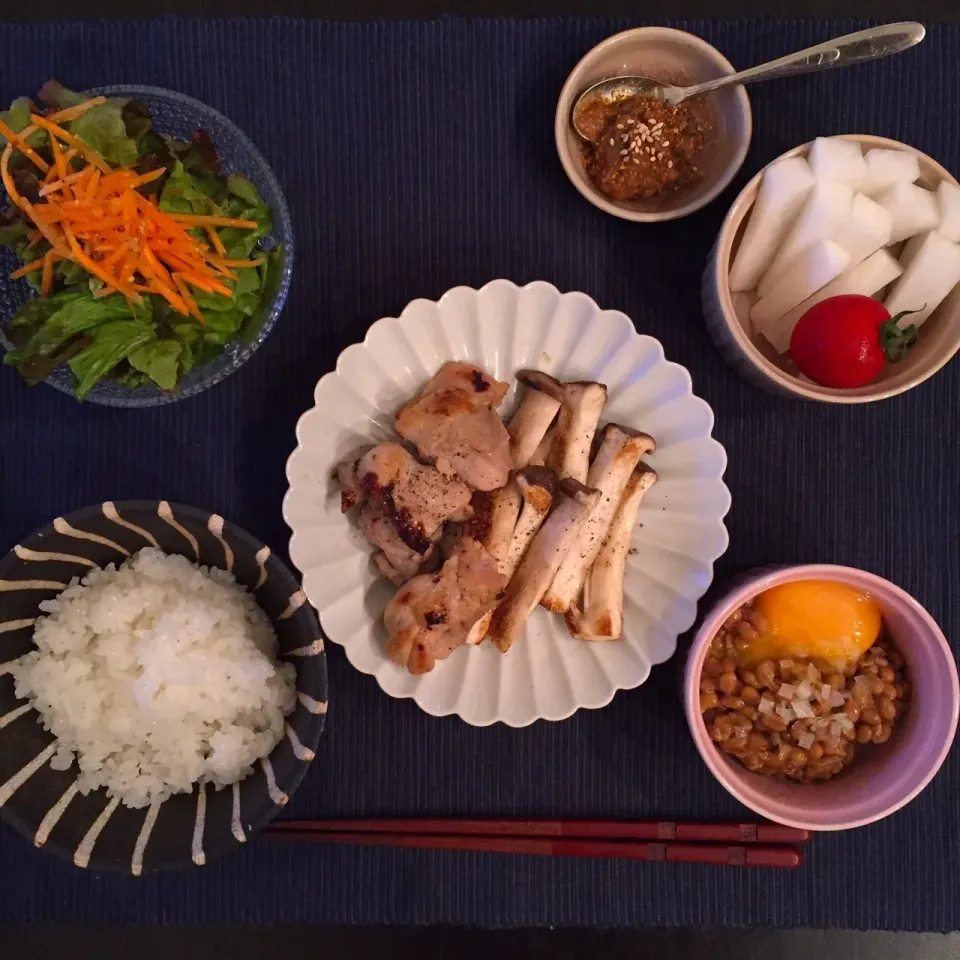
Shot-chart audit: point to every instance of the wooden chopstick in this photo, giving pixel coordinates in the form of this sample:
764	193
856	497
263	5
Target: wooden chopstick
579	829
739	855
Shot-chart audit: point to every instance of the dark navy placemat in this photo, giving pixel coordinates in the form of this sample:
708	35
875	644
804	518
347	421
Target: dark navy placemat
419	156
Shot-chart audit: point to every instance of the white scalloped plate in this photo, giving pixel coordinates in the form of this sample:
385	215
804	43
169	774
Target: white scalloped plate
503	328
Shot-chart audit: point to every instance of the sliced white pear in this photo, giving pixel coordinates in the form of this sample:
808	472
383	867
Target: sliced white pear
948	199
782	193
866	278
886	167
827	209
933	272
839	161
813	269
867	230
913	209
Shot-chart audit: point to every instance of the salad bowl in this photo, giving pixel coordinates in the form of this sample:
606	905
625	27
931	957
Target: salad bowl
177	116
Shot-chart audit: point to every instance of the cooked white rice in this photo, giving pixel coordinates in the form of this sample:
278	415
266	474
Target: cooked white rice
156	675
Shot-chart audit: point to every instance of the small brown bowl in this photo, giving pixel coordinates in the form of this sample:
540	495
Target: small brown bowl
672	56
749	353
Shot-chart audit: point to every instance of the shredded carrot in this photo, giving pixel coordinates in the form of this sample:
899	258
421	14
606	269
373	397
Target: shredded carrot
204	221
68	138
27	268
56	186
12	193
46	282
236	263
19	141
71	113
80	257
216	241
187	299
93	215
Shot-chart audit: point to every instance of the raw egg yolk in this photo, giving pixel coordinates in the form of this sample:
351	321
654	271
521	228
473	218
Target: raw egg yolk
814	618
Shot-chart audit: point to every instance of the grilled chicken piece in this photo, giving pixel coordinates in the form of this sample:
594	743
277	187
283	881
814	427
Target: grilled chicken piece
414	498
454	423
396	561
431	614
351	490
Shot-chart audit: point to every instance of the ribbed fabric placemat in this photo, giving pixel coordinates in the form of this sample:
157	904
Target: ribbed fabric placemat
419	156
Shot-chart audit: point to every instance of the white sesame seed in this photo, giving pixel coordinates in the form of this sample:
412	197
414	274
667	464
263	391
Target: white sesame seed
669	164
619	126
635	160
623	153
624	137
631	122
612	141
666	143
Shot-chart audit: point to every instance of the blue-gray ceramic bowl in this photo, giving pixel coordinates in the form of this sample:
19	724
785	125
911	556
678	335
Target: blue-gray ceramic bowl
178	116
91	830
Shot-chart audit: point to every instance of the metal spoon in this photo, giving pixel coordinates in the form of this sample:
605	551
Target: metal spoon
843	51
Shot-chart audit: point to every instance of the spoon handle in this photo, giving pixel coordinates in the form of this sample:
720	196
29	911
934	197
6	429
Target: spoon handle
843	51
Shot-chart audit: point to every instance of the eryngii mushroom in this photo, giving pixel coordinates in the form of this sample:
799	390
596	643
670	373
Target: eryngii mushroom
540	455
620	452
601	615
495	516
537	410
540	562
580	411
536	485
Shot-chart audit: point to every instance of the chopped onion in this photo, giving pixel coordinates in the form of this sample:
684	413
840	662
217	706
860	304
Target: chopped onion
787	691
825	692
844	722
765	706
835	728
785	712
837	699
805	691
802	708
786	664
806	741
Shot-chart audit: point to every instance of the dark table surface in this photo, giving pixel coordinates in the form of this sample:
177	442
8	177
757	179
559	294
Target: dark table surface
360	943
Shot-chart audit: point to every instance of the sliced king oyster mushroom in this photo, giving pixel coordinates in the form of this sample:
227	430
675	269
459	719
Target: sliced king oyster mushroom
580	411
620	452
537	410
540	562
536	486
601	614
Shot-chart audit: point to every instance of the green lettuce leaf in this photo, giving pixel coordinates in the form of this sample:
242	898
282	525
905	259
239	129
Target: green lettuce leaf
17	117
13	234
243	188
55	94
102	127
184	193
110	343
159	360
76	314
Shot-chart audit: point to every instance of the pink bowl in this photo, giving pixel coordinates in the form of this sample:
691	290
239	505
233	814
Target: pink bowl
894	773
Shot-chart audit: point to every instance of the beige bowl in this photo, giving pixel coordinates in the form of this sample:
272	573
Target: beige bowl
672	56
749	353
